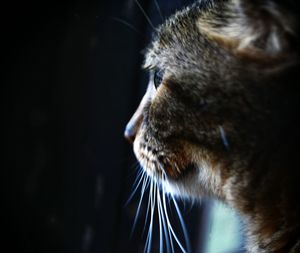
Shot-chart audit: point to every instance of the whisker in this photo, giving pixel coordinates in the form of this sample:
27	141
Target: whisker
157	202
149	236
185	233
140	173
144	186
145	14
166	214
135	165
224	138
175	236
136	184
161	243
159	10
166	232
135	169
150	224
170	226
124	22
147	212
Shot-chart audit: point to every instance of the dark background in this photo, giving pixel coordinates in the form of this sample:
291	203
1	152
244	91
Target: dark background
72	79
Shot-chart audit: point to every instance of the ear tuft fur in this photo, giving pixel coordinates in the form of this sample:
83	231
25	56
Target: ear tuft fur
258	29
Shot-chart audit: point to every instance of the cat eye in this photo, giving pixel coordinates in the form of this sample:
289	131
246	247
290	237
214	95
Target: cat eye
158	75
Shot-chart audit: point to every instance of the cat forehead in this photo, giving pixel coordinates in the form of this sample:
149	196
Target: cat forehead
177	39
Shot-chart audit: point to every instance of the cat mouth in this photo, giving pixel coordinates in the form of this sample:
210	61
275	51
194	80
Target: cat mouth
160	162
161	166
175	173
169	169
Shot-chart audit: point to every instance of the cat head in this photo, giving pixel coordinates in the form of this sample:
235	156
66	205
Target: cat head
216	75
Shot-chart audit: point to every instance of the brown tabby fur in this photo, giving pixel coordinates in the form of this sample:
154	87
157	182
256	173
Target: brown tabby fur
224	121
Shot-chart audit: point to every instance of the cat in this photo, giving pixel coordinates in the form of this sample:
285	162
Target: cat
220	115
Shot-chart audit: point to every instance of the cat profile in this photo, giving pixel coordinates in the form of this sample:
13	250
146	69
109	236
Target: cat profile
220	114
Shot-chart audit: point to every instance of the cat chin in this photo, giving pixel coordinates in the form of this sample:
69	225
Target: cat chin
194	185
196	180
180	189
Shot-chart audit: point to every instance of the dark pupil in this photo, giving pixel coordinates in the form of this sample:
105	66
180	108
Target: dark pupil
158	77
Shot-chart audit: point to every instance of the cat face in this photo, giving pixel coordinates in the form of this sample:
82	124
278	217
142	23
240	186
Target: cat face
209	94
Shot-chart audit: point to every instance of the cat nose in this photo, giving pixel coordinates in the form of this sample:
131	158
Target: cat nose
129	133
134	123
133	126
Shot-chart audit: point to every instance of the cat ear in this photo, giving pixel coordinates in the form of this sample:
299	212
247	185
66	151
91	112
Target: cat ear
255	29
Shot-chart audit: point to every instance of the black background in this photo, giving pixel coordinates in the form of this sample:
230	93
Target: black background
72	79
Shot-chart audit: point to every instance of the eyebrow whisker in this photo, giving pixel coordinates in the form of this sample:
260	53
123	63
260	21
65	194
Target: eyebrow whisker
145	14
159	10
